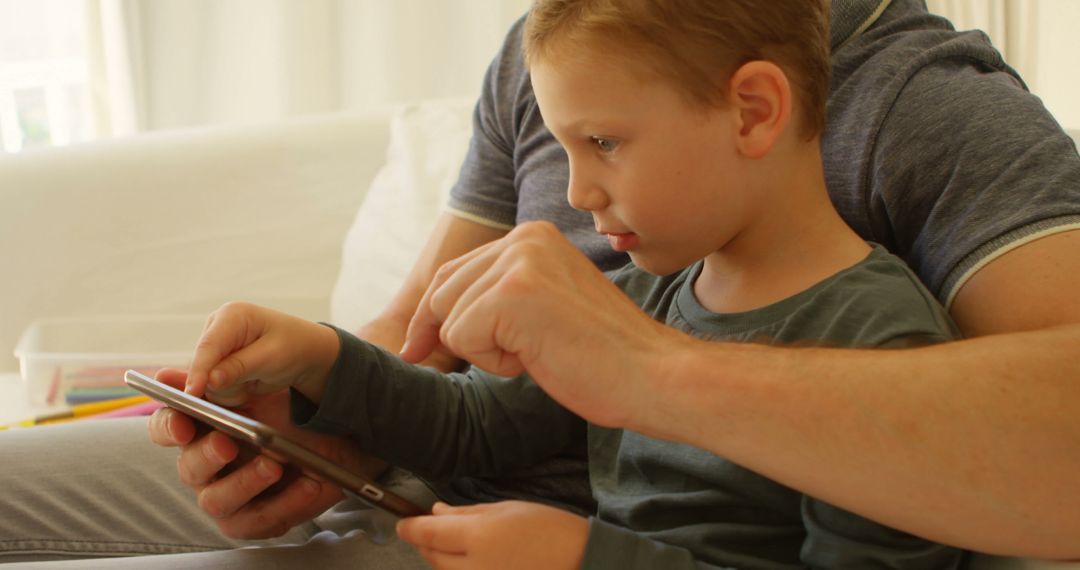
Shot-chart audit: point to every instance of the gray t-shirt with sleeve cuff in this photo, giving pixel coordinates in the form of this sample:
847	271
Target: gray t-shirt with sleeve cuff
661	504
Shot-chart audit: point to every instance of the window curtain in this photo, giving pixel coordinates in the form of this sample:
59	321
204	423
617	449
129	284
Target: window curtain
1011	24
163	64
114	67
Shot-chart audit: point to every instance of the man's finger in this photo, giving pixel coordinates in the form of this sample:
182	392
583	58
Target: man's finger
170	428
202	460
274	514
231	493
471	330
422	335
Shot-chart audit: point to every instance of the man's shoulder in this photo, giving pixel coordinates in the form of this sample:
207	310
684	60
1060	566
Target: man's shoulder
511	58
929	130
873	67
506	98
870	71
919	169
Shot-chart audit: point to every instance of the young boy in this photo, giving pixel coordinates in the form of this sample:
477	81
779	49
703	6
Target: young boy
692	132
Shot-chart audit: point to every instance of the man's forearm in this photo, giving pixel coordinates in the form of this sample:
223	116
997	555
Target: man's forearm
973	443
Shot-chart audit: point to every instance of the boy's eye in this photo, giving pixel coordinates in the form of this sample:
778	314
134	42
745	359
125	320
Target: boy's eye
605	145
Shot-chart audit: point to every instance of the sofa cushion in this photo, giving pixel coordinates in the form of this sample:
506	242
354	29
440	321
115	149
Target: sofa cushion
427	146
179	222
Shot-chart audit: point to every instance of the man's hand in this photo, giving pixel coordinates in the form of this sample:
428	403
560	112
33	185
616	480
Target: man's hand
511	534
388	332
235	488
532	302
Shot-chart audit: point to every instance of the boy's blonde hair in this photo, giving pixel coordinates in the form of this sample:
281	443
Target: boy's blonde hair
696	44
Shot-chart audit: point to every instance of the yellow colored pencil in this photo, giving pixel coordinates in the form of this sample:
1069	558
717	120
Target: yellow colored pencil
79	411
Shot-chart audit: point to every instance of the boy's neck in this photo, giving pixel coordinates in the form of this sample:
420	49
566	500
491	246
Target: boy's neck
797	241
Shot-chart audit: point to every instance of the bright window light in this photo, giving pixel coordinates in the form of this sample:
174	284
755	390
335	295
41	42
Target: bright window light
43	74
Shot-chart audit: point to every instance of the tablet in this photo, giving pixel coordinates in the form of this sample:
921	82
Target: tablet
275	445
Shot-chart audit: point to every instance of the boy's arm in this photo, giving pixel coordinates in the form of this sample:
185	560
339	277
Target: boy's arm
836	538
435	424
526	536
610	547
939	441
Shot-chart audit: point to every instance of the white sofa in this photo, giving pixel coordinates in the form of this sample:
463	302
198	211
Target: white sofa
180	222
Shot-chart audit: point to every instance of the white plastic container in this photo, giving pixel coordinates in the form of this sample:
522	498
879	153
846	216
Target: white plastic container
59	355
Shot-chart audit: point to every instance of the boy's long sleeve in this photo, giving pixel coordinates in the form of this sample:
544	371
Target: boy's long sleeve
614	547
437	425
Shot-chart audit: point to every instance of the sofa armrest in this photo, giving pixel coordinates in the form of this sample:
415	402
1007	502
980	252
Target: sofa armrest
180	222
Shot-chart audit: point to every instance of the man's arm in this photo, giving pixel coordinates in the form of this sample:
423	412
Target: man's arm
974	443
1032	287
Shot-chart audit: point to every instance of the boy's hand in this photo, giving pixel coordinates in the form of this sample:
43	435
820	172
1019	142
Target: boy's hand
245	349
235	490
511	534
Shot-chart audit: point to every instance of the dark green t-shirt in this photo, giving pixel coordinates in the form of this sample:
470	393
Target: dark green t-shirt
661	504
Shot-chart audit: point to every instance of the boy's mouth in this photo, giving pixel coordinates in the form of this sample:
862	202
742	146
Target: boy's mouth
622	242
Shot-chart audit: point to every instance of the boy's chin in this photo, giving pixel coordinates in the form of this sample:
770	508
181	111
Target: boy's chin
658	267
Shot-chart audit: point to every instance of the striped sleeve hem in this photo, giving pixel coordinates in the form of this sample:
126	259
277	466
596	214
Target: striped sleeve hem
998	247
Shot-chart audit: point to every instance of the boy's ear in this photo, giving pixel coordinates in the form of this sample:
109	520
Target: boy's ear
761	97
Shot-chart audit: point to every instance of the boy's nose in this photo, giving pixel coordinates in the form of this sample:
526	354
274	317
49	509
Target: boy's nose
584	194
